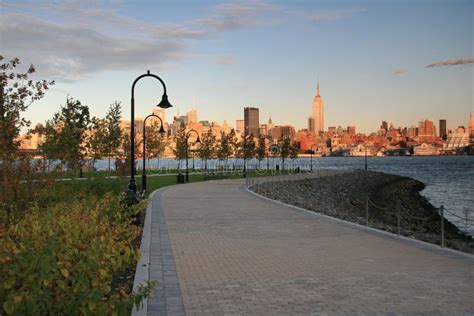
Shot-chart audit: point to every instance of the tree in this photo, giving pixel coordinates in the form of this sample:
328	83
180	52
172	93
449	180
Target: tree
285	146
261	150
247	148
180	144
207	149
224	149
113	132
96	139
233	143
66	134
155	142
17	93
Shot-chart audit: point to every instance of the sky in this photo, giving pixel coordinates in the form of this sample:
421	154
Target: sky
399	61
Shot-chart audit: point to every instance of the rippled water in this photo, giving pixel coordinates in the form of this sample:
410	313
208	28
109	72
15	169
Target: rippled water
449	180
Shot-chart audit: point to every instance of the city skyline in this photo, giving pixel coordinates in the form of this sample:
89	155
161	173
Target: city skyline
222	56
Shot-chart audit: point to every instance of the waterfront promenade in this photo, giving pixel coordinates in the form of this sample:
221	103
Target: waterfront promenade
217	249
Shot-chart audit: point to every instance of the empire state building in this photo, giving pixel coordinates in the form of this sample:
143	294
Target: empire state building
316	120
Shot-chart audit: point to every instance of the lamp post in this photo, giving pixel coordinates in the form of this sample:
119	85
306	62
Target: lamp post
365	157
164	103
198	141
162	132
311	152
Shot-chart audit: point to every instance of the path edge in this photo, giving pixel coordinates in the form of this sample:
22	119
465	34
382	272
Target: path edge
424	244
142	269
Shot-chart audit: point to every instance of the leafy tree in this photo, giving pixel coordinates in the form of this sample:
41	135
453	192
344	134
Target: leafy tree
233	143
17	93
207	149
180	144
66	134
261	150
155	142
113	132
285	147
224	149
124	152
96	139
246	148
294	151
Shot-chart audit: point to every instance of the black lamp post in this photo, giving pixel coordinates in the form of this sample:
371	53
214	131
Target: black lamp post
132	185
311	151
366	158
162	132
198	141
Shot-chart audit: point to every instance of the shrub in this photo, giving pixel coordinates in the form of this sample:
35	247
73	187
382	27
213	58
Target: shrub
62	259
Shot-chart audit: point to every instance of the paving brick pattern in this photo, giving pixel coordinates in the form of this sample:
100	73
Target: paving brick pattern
236	253
167	296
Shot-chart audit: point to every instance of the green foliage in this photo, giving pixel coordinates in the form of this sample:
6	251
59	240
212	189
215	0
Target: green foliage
62	259
285	148
180	143
113	132
66	134
261	150
207	149
224	149
294	151
17	92
155	142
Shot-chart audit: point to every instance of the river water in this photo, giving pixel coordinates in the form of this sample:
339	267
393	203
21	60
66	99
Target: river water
449	180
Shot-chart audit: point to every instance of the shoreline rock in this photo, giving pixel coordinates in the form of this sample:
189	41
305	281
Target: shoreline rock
343	195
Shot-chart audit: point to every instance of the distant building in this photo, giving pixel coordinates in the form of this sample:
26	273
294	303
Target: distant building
251	121
412	132
239	125
351	130
311	125
442	129
426	132
192	116
286	131
384	125
332	129
318	112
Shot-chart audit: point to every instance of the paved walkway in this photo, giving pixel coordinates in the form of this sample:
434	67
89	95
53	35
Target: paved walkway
217	249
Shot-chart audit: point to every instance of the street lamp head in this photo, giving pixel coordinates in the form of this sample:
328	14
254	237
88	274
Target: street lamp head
162	130
164	104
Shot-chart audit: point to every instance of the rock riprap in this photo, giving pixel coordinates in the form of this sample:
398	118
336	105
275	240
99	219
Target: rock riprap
343	195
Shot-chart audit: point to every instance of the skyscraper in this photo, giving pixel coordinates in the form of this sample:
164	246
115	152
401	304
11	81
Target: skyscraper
192	116
251	121
426	132
318	111
442	129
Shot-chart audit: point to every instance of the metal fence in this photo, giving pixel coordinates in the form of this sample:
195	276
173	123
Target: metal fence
444	215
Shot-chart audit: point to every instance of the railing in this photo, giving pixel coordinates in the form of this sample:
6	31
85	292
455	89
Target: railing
264	184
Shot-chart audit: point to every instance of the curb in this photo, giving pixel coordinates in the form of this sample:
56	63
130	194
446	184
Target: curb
419	243
142	270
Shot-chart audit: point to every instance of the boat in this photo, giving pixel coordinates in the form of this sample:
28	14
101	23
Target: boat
425	150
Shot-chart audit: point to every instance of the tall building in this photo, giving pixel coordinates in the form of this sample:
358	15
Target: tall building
311	125
192	116
442	129
318	111
251	121
351	130
426	132
239	125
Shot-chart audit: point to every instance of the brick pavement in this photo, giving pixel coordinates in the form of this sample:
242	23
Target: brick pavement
235	253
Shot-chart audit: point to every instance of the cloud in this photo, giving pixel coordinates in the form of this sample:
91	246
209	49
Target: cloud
451	62
232	16
334	15
400	72
72	40
225	59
